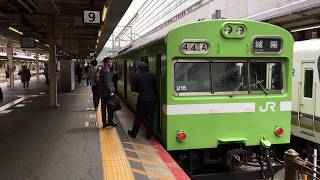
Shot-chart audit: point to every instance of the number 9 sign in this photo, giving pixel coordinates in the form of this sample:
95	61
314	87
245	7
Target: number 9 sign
91	17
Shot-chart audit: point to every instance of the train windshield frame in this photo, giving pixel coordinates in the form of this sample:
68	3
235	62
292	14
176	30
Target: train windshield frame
228	77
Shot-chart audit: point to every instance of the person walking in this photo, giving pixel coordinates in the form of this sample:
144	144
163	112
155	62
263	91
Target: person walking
7	76
79	73
46	72
145	84
25	76
86	70
95	79
106	91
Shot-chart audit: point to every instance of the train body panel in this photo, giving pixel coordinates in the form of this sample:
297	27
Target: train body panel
221	91
306	90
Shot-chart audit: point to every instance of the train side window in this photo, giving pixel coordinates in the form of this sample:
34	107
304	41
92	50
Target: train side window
192	77
308	83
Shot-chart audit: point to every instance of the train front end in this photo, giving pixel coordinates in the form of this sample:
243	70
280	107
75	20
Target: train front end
227	82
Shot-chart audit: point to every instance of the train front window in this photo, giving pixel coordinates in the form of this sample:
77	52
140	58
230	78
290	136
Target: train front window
192	77
228	77
265	76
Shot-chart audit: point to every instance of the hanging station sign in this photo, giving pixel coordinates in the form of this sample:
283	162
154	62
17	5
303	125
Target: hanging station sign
91	17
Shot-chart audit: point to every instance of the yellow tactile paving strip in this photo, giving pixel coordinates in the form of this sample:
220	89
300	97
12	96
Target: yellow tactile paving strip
115	162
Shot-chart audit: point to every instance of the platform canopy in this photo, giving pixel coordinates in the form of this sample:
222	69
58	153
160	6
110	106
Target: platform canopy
30	18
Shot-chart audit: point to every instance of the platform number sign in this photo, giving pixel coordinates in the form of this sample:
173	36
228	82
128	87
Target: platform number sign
267	45
91	17
194	47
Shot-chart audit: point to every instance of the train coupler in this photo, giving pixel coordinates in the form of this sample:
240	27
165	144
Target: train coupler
235	158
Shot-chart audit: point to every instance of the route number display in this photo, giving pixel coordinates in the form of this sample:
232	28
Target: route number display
195	47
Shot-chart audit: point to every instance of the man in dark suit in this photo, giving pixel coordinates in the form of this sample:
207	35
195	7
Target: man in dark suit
106	91
145	84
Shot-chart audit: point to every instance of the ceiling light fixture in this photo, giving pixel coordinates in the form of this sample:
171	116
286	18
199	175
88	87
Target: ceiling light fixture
305	28
15	30
104	13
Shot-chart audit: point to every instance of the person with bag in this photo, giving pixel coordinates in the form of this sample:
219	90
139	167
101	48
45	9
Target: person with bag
25	76
94	78
106	91
145	84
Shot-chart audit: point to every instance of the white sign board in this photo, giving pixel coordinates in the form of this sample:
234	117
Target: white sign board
91	17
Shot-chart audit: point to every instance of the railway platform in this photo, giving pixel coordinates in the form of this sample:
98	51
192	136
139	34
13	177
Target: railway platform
38	142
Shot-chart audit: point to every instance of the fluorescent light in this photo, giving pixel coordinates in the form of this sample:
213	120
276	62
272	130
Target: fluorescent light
305	28
99	33
47	45
36	40
15	30
97	40
104	13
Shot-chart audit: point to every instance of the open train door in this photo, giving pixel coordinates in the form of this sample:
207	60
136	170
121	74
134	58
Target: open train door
307	96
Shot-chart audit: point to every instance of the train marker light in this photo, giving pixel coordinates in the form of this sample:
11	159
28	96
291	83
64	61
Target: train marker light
181	136
227	29
279	131
240	30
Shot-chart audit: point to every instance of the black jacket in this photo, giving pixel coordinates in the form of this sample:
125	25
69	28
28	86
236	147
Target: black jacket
106	86
145	84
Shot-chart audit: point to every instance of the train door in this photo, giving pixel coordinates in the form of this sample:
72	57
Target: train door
307	96
125	76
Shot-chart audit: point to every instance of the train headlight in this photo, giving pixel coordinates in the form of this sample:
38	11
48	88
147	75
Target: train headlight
240	30
181	136
279	131
227	29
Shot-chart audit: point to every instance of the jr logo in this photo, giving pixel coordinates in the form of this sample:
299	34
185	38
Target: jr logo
269	105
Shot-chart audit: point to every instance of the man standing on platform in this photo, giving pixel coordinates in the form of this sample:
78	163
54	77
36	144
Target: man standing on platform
106	91
145	84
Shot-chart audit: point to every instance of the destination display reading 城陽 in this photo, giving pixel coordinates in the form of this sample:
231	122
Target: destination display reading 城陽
267	45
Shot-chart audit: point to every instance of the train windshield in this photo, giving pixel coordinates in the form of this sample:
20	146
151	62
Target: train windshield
228	77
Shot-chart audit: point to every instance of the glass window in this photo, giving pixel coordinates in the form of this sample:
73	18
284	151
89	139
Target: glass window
229	76
192	77
308	83
266	76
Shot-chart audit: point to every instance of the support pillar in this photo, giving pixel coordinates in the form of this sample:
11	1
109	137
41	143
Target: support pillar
10	62
37	67
52	63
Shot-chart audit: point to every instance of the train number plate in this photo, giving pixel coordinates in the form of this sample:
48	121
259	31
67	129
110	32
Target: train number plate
195	47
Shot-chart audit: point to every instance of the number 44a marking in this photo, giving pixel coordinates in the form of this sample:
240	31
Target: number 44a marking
269	105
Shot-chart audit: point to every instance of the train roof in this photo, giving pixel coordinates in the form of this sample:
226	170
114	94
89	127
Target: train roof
308	49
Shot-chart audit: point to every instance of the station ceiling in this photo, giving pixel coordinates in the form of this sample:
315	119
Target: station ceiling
31	18
302	18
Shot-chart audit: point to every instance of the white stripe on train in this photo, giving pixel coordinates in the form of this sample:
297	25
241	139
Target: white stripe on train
183	109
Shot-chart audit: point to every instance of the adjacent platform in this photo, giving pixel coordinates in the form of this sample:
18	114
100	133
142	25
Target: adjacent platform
38	142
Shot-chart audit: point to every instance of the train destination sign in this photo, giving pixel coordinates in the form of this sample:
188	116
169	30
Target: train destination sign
267	45
195	47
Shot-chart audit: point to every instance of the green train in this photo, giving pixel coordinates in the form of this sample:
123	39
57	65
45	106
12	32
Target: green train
225	87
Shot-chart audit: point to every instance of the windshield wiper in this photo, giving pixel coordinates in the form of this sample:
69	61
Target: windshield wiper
236	89
262	87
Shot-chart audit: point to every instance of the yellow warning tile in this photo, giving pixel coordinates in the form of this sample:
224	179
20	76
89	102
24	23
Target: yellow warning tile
115	163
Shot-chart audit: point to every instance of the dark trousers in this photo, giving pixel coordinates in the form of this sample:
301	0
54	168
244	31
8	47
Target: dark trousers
47	79
103	111
144	110
79	78
95	96
25	83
